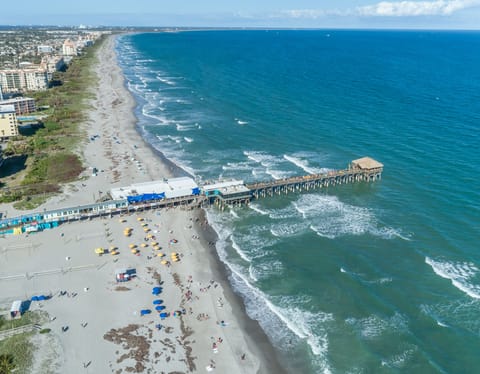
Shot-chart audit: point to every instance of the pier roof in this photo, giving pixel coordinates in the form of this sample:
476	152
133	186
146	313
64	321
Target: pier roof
366	163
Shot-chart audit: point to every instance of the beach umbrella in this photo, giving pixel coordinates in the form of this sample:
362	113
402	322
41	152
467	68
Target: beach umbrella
144	224
132	246
134	251
139	219
143	245
164	262
159	308
149	236
154	243
157	302
156	290
160	254
156	247
146	229
112	248
163	315
145	311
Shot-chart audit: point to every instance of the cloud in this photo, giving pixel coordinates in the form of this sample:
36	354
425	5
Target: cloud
416	8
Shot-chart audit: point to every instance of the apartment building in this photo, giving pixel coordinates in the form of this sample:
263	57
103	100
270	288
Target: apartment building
19	80
22	105
8	122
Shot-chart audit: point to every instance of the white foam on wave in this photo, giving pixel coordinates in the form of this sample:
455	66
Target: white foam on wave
330	218
188	140
459	273
242	122
235	166
398	361
185	127
166	80
239	250
374	326
269	162
303	164
288	229
257	209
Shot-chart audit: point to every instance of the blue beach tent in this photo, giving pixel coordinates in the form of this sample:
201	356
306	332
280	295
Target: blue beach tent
157	302
163	315
159	308
145	311
156	290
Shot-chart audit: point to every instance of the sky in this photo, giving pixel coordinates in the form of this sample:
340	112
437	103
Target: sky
410	14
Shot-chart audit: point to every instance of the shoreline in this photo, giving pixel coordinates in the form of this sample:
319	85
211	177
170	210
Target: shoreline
124	156
252	329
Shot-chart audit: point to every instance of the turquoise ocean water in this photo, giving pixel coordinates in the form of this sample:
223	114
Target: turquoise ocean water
365	278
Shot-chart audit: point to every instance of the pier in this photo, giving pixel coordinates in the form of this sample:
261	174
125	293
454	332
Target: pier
184	192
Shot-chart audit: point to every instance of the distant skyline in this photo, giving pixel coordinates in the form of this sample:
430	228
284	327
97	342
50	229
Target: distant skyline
428	14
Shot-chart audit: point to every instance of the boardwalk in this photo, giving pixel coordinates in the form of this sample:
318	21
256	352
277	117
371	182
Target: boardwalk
222	194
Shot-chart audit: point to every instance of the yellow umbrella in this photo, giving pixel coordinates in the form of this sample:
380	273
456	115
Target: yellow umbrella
113	253
144	224
143	245
134	251
175	259
156	247
132	246
149	236
174	254
139	219
112	248
160	255
164	262
99	251
146	229
154	243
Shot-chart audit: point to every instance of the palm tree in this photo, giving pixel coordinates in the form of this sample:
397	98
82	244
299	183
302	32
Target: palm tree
6	364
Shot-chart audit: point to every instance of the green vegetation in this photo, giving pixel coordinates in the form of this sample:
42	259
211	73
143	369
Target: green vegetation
51	157
28	318
16	354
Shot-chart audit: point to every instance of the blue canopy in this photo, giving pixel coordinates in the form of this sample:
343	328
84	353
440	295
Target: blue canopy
159	307
156	290
145	311
163	315
157	302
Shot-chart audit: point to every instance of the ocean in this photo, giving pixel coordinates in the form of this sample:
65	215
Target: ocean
379	277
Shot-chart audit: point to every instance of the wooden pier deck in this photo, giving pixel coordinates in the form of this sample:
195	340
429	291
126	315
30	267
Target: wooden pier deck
223	194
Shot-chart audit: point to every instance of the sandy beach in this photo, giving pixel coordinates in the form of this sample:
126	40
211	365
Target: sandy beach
96	322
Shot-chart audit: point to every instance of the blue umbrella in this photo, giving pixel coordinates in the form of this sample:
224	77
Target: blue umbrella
156	290
159	308
145	311
157	302
163	315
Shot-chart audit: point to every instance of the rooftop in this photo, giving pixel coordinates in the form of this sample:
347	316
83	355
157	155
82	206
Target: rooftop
366	163
7	109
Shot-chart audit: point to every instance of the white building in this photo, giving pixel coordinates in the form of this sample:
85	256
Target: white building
174	187
8	122
69	48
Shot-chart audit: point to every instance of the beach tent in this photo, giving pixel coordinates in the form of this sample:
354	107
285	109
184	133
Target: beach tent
145	311
16	309
163	315
157	302
159	308
156	290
